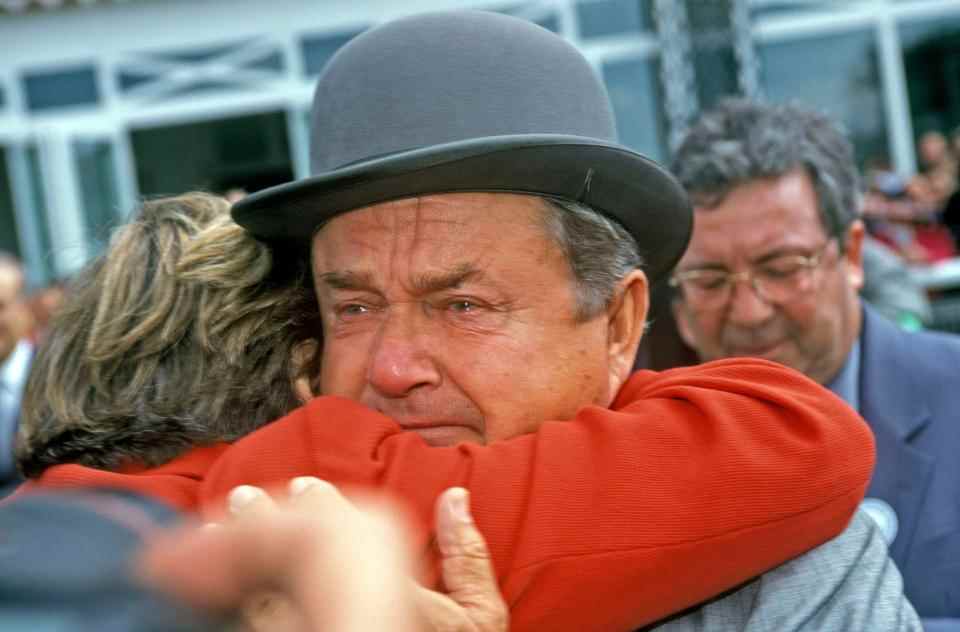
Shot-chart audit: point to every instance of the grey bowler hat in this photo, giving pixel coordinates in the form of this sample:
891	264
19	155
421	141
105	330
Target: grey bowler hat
469	101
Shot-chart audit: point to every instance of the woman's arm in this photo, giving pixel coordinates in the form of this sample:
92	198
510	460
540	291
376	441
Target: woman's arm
696	480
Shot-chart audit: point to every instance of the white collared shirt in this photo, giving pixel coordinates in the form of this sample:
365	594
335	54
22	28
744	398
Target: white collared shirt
13	378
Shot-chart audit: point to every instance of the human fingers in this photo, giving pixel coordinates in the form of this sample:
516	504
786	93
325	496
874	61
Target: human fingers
309	493
248	501
467	569
263	610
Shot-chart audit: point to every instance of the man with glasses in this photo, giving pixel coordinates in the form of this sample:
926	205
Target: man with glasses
773	270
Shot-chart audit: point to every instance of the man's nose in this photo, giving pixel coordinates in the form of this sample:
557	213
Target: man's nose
401	359
747	306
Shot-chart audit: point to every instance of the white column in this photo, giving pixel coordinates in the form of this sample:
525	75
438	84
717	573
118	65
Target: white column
895	98
26	207
64	206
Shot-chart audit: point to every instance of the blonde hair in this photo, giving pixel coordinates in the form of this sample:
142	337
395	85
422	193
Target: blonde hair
178	335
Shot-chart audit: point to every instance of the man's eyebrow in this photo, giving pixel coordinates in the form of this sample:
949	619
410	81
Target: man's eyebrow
425	283
347	280
707	265
785	251
431	282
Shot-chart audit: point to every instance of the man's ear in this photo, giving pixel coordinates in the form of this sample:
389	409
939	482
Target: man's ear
304	356
626	321
853	254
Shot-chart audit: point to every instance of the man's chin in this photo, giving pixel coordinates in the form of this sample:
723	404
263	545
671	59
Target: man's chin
442	436
781	353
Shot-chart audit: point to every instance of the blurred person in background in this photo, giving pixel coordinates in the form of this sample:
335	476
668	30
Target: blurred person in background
890	288
951	210
909	215
773	270
16	354
937	179
43	304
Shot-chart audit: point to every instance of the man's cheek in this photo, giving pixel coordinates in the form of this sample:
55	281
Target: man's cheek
343	371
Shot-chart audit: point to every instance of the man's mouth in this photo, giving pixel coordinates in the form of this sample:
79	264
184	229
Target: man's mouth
762	350
442	432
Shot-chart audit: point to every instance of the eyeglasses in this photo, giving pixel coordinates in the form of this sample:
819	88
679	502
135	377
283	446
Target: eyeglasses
777	280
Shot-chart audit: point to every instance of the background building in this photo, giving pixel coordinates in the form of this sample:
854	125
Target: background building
102	102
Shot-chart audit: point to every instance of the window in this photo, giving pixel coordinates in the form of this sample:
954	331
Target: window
9	240
637	103
931	57
96	175
61	88
850	92
318	49
599	18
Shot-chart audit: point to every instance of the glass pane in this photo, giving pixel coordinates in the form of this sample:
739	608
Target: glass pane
537	12
318	49
716	72
96	174
931	56
60	88
712	38
635	92
9	241
246	152
598	18
848	88
707	16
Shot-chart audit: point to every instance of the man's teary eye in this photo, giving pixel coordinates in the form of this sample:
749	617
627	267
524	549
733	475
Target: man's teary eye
462	305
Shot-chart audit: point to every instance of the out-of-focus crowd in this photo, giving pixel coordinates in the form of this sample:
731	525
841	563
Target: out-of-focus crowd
918	217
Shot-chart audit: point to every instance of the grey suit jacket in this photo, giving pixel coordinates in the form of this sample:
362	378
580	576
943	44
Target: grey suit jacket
846	585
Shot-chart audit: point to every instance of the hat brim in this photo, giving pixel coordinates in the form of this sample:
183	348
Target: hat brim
611	179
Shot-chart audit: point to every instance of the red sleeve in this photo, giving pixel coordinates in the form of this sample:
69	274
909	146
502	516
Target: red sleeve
697	480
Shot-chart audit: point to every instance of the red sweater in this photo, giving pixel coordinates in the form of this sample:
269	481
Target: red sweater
695	480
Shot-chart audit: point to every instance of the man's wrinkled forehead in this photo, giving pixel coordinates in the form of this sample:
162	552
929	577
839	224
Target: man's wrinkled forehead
436	218
398	217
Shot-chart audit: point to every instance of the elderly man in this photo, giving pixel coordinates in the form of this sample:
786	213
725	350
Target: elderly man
15	354
773	270
480	247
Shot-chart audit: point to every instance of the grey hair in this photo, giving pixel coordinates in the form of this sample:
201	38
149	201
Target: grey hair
741	140
599	250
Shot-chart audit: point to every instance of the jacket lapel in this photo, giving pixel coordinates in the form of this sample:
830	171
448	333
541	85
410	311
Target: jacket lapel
889	403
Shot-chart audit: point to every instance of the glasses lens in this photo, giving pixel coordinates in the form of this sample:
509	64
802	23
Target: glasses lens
785	281
705	288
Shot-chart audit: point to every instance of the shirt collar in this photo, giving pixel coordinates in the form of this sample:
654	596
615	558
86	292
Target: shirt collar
846	384
15	369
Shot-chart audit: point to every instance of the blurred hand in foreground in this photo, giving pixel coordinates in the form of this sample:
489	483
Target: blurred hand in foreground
317	562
